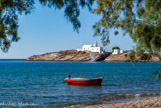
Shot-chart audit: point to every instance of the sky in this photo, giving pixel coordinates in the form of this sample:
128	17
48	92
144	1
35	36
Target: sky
47	30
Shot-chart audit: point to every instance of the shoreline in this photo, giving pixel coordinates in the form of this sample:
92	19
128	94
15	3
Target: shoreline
82	56
114	101
150	102
95	61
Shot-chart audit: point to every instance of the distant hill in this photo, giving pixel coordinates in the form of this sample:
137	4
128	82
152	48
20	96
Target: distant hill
86	56
67	55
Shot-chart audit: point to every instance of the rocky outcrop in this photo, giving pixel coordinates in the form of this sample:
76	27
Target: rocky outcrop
85	56
153	58
124	58
67	55
116	58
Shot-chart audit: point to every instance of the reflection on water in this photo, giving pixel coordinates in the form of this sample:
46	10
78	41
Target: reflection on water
79	85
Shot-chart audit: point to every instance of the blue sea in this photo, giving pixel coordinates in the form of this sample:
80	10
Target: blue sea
41	84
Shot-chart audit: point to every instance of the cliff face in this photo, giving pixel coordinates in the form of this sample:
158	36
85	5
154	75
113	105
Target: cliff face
68	55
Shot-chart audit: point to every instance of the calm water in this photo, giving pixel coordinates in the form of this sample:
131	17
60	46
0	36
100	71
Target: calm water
42	83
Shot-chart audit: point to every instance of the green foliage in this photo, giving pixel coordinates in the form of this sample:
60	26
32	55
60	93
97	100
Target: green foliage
139	53
116	47
11	9
143	56
158	74
131	56
140	19
116	32
146	57
83	52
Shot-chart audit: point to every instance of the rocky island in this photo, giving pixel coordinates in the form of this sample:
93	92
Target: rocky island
87	56
69	55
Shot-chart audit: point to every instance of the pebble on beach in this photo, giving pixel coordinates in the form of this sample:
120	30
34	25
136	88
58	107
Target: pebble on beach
153	102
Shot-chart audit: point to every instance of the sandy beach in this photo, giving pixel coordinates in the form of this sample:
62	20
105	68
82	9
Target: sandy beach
153	102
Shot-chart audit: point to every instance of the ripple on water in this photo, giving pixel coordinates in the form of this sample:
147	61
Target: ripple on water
42	82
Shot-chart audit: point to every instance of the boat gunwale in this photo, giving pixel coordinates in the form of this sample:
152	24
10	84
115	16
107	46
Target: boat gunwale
84	79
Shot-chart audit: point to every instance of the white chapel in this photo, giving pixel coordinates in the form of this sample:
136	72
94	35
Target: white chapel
92	48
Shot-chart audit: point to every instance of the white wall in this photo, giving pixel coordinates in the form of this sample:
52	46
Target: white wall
86	47
95	49
91	48
121	51
116	51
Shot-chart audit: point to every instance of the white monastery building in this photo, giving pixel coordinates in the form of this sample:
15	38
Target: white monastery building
92	48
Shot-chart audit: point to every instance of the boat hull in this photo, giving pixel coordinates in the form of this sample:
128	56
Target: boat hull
95	81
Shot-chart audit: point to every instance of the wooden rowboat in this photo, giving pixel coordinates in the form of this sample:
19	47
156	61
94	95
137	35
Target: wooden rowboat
84	81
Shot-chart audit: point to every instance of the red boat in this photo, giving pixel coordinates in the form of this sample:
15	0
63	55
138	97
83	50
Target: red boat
84	81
